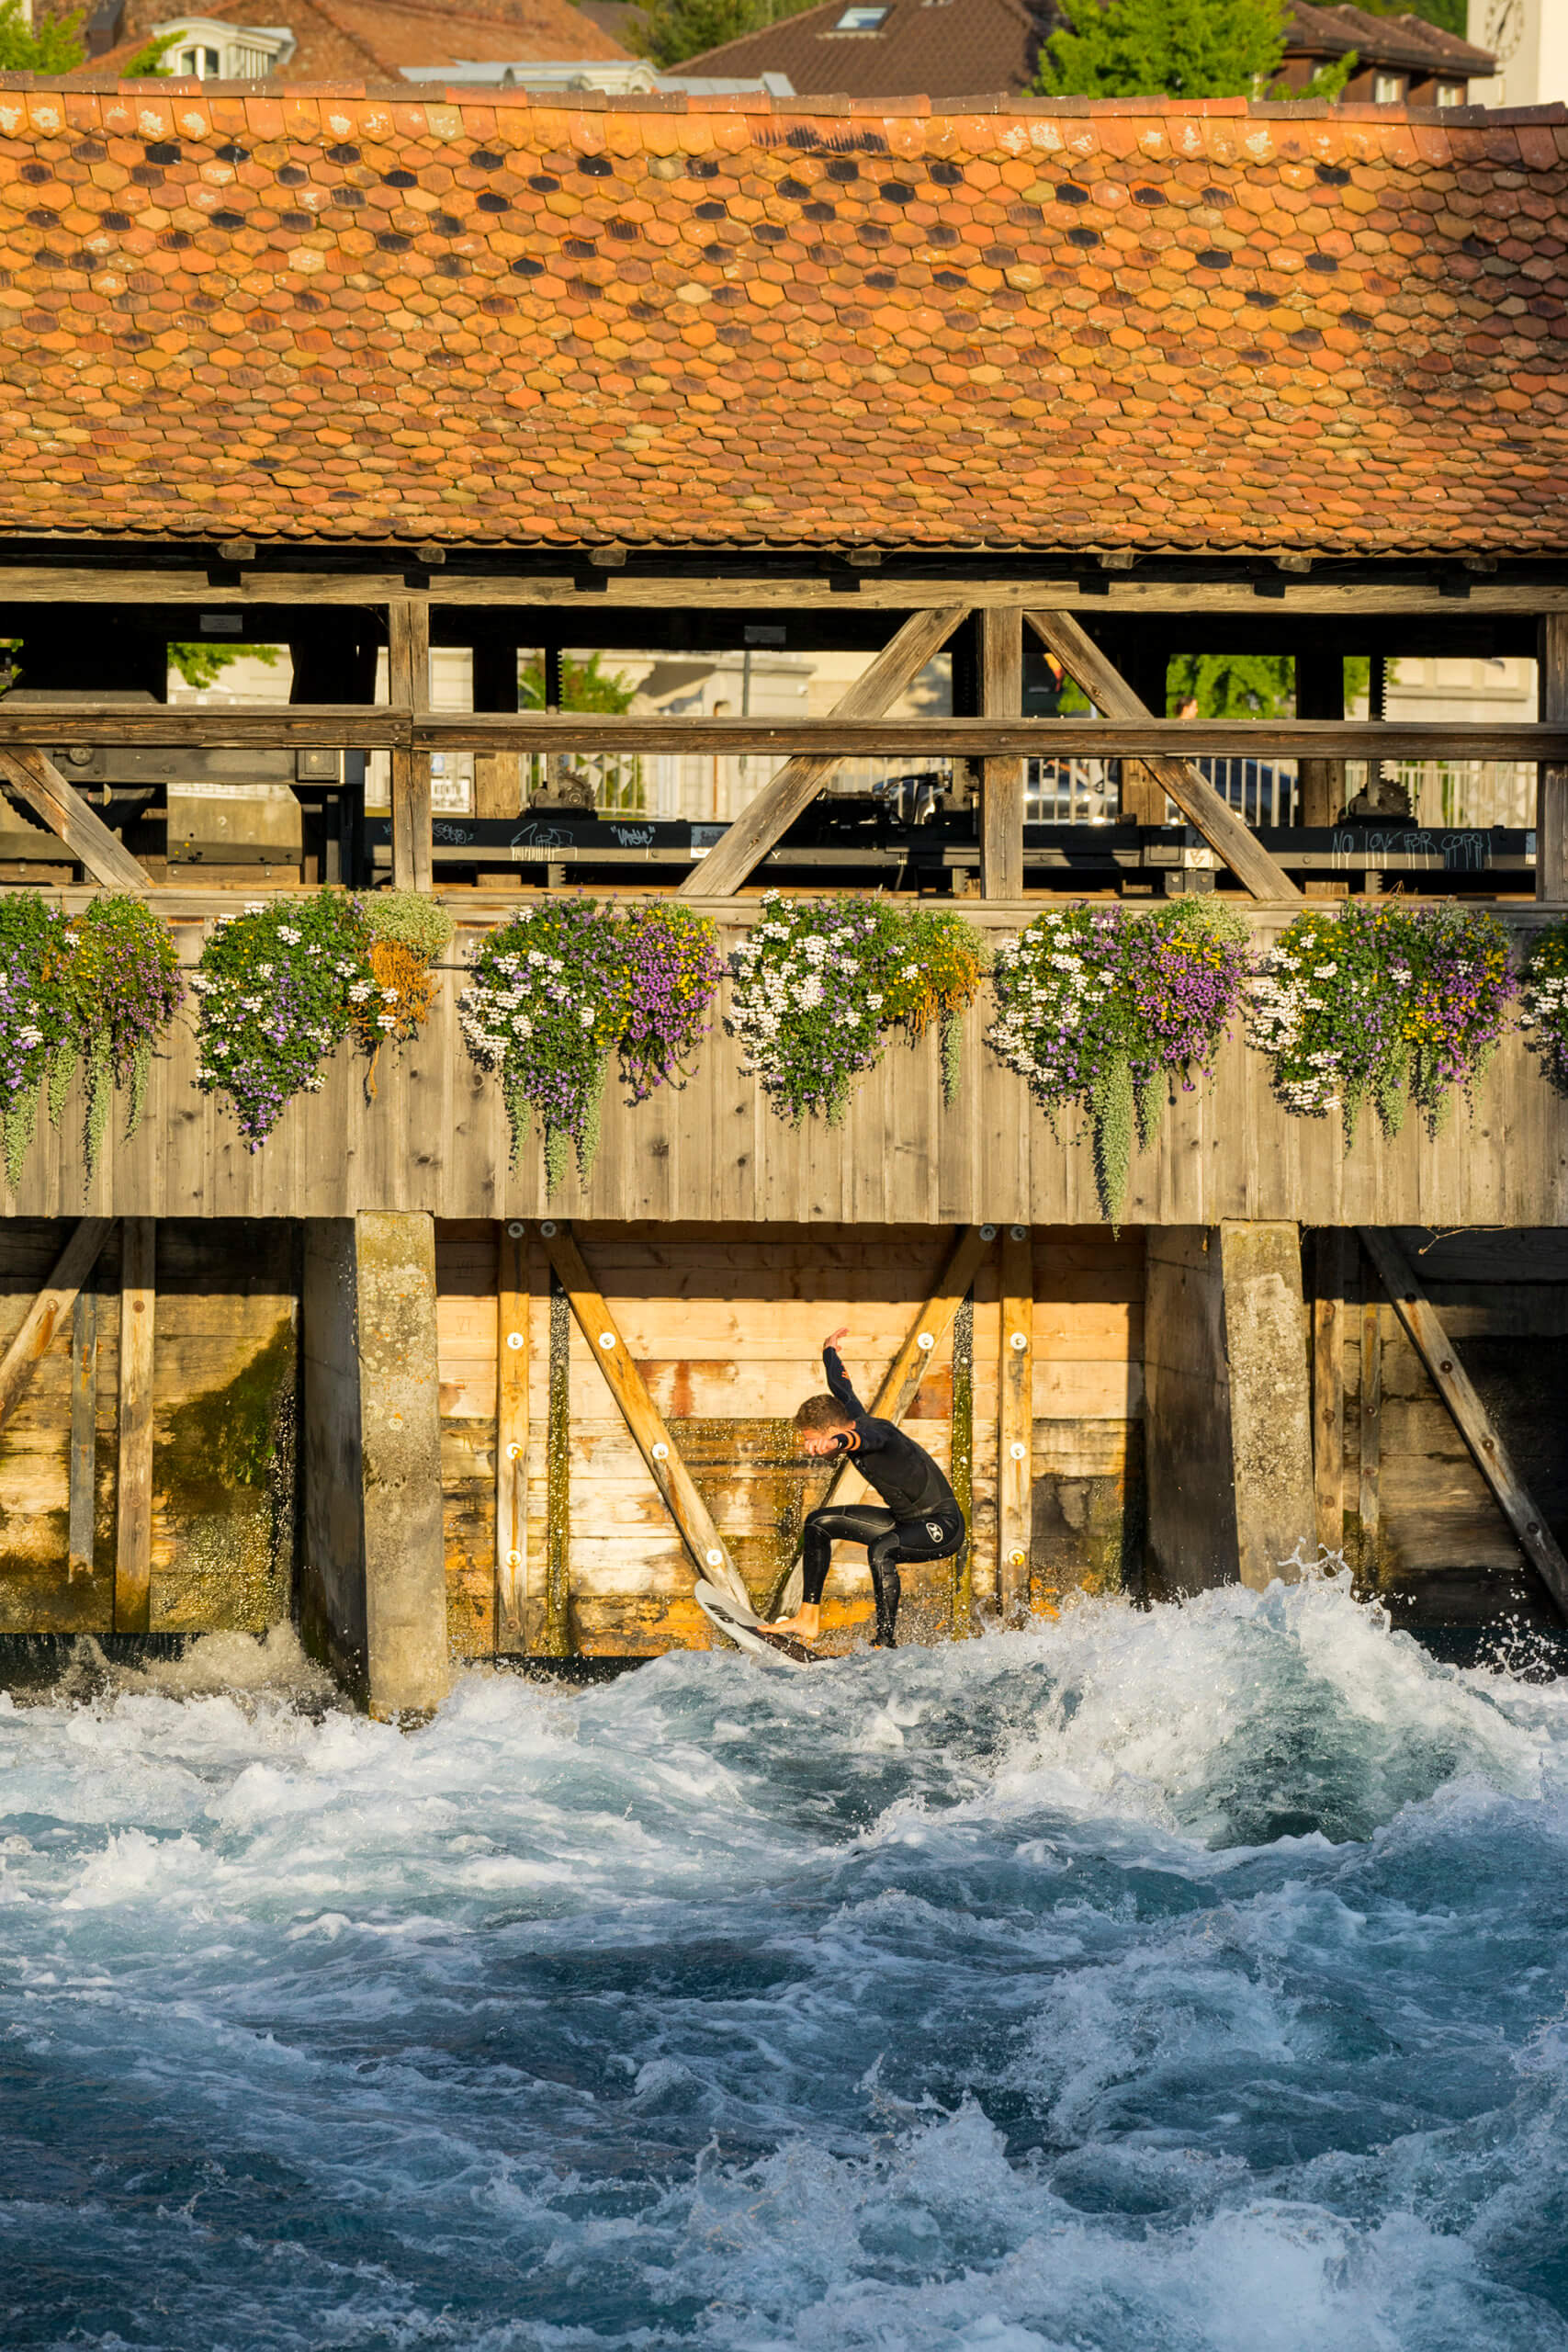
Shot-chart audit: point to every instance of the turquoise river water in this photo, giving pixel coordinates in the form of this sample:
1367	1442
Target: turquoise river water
1182	1982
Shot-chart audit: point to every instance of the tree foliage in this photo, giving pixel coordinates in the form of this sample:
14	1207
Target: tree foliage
51	45
584	684
674	31
1179	49
201	664
1249	685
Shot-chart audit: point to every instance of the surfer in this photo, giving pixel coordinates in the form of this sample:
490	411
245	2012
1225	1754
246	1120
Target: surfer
921	1520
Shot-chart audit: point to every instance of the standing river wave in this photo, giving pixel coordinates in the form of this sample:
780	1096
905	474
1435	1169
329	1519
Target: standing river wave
1190	1981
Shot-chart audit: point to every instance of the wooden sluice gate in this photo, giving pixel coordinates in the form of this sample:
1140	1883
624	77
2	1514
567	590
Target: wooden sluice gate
330	1422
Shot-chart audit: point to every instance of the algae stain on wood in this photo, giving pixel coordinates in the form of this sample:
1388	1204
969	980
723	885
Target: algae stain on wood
223	1478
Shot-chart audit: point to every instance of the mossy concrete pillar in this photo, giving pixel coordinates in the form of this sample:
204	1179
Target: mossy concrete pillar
1229	1422
373	1597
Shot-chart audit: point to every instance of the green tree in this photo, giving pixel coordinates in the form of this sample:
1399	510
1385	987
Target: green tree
51	45
584	687
1179	49
201	665
1248	685
147	65
673	30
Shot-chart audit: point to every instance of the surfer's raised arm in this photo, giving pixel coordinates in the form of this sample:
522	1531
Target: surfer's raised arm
838	1386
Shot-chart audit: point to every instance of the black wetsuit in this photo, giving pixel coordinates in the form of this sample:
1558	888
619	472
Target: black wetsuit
922	1520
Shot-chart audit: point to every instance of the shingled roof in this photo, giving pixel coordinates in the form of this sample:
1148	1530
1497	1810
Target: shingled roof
328	316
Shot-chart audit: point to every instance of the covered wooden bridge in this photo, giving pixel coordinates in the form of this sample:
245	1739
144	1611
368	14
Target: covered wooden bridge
1057	394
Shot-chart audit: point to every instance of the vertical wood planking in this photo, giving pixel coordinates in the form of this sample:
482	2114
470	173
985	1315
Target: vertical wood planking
1551	783
1372	1424
511	1433
1328	1385
962	1460
407	679
133	1529
555	1637
82	1511
1015	1417
1001	788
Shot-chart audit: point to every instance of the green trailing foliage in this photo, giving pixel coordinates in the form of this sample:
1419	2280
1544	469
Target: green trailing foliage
1099	1008
92	993
819	987
1543	1003
1381	1005
561	988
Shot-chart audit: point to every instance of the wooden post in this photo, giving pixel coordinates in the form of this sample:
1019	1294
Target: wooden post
1551	783
692	1519
1328	1384
497	776
408	680
1001	780
770	814
555	1639
1015	1418
133	1529
962	1459
83	1490
1193	794
49	1308
511	1433
373	1569
1320	693
1453	1385
1369	1499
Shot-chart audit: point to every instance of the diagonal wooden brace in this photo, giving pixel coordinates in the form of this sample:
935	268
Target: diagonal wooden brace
766	820
1453	1385
1223	830
49	1308
677	1490
37	780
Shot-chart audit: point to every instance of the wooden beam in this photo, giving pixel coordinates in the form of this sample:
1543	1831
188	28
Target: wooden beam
693	1521
1368	1497
1015	1419
49	1308
1001	780
511	1432
770	815
900	1383
37	780
555	1637
1328	1384
1551	776
961	1462
1179	590
841	735
1219	824
82	1499
133	1526
1453	1385
408	684
497	776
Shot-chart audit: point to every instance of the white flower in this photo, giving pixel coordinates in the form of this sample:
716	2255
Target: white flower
585	1014
265	971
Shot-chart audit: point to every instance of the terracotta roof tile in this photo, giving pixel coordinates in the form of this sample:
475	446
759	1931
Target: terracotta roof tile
320	314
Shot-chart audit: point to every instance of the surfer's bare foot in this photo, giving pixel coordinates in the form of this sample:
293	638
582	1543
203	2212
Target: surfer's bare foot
805	1625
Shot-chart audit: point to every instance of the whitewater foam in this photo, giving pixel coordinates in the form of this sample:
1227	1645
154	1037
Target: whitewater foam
1192	1978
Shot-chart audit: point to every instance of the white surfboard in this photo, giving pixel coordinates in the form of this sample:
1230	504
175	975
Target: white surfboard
746	1629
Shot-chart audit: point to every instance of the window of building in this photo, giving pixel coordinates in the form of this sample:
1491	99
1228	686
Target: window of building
1452	94
205	64
1387	89
862	20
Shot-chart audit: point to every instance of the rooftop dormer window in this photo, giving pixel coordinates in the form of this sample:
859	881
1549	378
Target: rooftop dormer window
862	20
